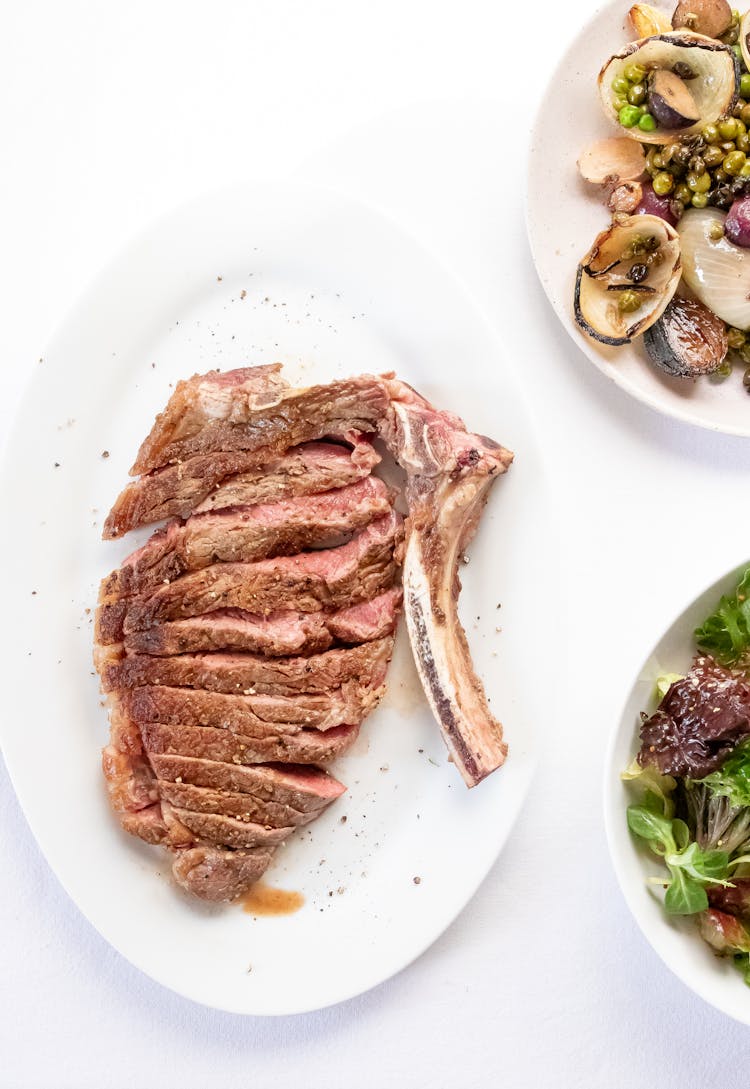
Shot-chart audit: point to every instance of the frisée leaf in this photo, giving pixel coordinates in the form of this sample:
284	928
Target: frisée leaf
726	632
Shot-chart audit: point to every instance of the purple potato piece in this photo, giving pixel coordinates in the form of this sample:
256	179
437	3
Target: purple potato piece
737	224
671	101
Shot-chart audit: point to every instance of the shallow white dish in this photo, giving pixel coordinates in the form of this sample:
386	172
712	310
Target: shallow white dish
252	275
675	939
564	215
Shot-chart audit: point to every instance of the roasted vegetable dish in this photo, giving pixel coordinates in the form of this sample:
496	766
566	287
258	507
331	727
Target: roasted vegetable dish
692	778
673	266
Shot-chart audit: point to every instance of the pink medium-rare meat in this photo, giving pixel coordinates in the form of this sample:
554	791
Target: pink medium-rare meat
233	804
130	780
219	874
242	410
236	478
210	743
245	534
302	787
283	632
449	473
252	716
331	578
253	674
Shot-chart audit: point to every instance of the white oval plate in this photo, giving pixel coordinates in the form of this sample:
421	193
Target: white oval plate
564	215
252	275
675	939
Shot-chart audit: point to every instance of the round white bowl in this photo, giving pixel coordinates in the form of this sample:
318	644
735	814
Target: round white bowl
674	938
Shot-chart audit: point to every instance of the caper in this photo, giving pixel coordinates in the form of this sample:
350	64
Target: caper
715	232
712	156
620	86
700	200
629	302
721	372
745	115
711	134
725	145
734	163
700	183
735	338
637	94
728	128
663	183
681	155
697	165
638	273
720	175
745	352
658	161
676	207
683	193
635	73
731	36
684	71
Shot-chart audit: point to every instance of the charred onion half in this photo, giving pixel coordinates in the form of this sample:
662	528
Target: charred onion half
627	278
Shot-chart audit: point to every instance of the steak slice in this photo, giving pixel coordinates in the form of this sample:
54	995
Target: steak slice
254	409
230	832
233	804
334	577
252	716
449	473
303	788
130	781
282	632
146	824
219	874
236	478
209	743
252	674
241	535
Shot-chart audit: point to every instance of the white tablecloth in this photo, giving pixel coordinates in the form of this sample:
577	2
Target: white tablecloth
114	113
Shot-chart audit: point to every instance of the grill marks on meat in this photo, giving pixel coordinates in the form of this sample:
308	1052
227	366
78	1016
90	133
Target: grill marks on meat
246	410
241	535
449	473
236	478
331	578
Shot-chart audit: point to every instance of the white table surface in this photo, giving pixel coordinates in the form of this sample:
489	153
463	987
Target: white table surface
115	113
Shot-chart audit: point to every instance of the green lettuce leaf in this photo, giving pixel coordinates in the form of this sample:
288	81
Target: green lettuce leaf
732	780
726	633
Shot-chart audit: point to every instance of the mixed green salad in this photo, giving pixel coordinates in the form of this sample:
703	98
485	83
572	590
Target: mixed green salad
692	774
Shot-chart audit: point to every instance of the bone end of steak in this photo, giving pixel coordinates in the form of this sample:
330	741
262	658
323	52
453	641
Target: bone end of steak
449	473
217	874
205	400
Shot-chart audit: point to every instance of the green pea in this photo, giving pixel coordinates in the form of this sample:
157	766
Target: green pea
700	200
741	126
711	134
636	73
683	194
663	183
736	338
620	86
715	232
712	156
629	116
699	183
734	163
745	115
637	94
629	302
743	142
728	128
745	172
618	103
745	352
721	372
647	123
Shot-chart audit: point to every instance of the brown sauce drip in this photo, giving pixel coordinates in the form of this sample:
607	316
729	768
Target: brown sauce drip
262	899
